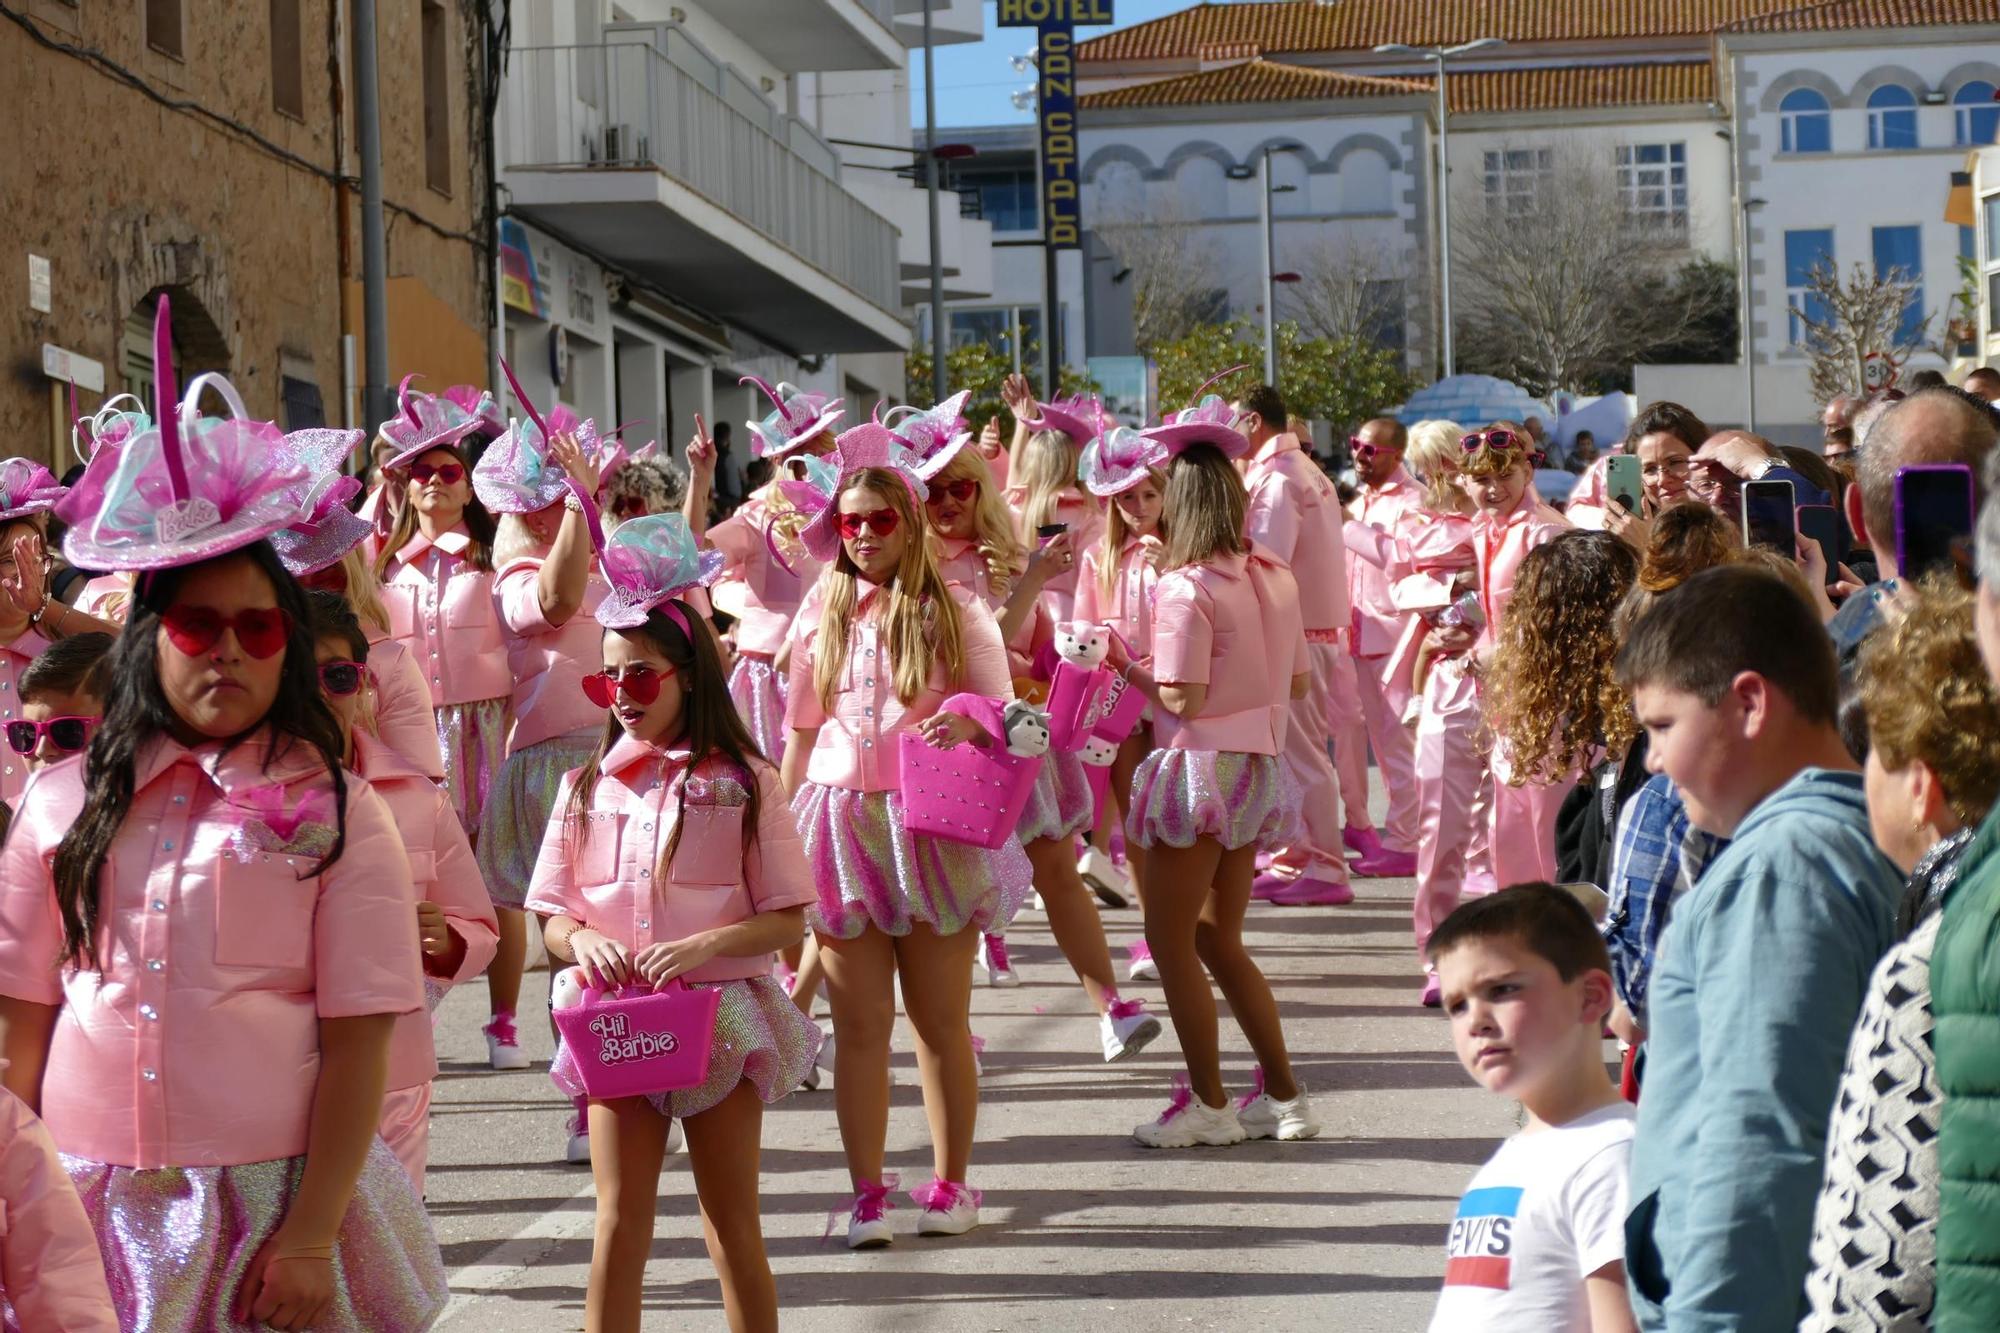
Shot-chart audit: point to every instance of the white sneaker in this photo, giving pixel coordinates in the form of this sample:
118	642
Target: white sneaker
1141	967
950	1209
1128	1032
868	1219
1190	1122
993	960
1265	1117
1106	880
503	1044
821	1069
578	1152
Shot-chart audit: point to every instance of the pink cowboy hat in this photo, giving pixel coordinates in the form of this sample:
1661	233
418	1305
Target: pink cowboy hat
1118	460
427	421
327	528
27	488
187	488
1079	416
934	436
860	447
649	561
799	416
1210	421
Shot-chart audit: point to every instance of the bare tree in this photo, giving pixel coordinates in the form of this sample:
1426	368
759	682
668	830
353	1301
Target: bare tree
1349	290
1563	274
1176	275
1845	323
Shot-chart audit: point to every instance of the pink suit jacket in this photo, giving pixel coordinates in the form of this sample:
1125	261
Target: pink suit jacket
1295	515
1240	612
548	662
441	609
1381	520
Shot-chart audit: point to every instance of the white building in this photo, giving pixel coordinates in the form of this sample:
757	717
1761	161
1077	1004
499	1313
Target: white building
678	213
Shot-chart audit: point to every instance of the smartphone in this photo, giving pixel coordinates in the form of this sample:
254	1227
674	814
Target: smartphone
1049	531
1934	512
1822	524
1769	516
1621	483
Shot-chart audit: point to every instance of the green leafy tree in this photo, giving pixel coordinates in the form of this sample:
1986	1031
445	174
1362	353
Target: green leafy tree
1343	381
982	367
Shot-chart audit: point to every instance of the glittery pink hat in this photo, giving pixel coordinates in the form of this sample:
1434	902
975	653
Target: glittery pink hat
1079	416
108	427
27	488
515	475
798	417
1210	421
478	404
326	528
934	436
1118	460
426	421
184	490
649	561
867	445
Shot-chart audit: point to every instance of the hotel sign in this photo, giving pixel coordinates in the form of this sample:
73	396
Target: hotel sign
1055	23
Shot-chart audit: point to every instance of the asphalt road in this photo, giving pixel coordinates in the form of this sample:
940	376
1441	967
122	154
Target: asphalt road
1082	1229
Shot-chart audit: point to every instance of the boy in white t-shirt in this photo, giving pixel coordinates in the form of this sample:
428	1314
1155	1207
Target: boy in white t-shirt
1539	1239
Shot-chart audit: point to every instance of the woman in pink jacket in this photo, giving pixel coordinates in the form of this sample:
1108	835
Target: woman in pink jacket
1044	490
221	920
1216	789
51	1276
884	645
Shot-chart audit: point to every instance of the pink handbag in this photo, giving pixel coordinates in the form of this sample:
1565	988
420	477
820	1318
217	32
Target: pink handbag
640	1042
1075	695
969	793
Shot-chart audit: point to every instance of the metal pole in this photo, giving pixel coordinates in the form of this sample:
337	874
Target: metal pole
1270	280
1444	216
931	182
374	251
1749	333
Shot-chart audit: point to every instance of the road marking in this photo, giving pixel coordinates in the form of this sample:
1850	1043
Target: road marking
500	1265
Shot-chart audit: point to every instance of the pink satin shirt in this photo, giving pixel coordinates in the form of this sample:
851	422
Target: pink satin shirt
1295	515
444	871
1390	512
405	717
772	593
222	949
548	662
1129	608
1500	543
857	746
1085	516
606	871
441	609
14	659
962	565
50	1268
1231	623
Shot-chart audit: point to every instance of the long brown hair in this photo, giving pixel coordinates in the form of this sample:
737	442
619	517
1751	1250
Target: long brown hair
992	525
1204	508
478	523
920	622
713	729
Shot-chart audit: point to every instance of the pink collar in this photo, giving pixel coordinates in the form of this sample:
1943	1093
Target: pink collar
29	643
244	767
1283	442
951	548
453	542
629	752
1399	480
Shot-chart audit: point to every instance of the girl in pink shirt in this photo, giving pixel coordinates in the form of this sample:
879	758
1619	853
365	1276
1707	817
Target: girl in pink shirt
454	920
437	574
1204	802
1044	489
876	654
205	930
51	1276
674	856
1116	589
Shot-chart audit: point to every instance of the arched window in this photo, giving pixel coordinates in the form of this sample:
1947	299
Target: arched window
1978	115
1892	117
1365	183
1804	123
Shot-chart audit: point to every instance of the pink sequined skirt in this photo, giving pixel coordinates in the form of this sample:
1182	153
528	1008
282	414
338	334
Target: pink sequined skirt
870	869
177	1241
1236	799
759	692
760	1035
473	740
1061	804
518	809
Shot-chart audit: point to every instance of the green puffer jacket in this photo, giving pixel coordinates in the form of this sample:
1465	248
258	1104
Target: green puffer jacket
1965	997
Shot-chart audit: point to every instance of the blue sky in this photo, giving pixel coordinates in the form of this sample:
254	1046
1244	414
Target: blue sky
976	80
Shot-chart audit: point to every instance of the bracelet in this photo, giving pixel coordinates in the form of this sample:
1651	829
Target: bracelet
323	1252
572	502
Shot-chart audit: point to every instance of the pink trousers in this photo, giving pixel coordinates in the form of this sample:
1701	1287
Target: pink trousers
1451	781
406	1128
1522	828
1395	754
1320	852
1348	727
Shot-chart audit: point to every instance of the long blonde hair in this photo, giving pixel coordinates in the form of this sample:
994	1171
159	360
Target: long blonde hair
992	525
514	539
1433	451
1048	471
364	590
1204	507
1116	533
920	623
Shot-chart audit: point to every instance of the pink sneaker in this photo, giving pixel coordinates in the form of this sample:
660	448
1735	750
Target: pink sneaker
1313	892
1361	841
1141	967
1269	885
1381	863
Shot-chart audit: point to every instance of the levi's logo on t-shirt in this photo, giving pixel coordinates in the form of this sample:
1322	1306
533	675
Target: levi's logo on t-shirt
1480	1250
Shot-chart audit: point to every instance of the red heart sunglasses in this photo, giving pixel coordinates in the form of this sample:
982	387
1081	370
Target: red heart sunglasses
260	631
882	522
640	684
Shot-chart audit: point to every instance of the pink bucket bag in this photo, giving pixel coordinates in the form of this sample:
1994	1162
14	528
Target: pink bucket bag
639	1041
969	793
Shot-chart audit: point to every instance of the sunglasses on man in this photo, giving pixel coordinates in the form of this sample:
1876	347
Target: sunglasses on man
67	734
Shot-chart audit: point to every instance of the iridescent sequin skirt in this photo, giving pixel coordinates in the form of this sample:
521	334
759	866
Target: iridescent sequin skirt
760	1035
1236	799
870	870
1061	806
177	1241
473	739
759	692
518	810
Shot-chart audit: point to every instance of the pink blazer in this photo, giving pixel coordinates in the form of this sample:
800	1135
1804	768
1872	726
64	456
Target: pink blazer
1085	516
963	567
548	662
606	869
1500	543
1231	623
1390	512
50	1269
442	611
772	593
405	717
1295	515
1129	608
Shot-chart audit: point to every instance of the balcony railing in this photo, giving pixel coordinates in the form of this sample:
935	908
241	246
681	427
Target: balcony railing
630	104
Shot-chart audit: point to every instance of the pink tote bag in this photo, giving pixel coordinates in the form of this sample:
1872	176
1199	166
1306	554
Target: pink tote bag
969	793
639	1042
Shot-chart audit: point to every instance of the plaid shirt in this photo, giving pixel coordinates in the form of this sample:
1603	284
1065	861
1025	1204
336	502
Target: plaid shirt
1657	857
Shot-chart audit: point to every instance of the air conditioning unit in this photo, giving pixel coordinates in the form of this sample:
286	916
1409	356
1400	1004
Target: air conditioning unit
622	143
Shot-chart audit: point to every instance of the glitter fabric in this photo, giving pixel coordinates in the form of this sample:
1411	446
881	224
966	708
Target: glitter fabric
759	692
1061	805
760	1035
473	739
178	1240
870	870
518	809
1237	799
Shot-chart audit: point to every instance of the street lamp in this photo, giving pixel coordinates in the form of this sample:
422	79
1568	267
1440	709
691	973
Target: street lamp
1440	54
1749	323
1271	278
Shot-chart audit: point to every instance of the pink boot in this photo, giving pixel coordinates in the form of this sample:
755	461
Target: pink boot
1312	892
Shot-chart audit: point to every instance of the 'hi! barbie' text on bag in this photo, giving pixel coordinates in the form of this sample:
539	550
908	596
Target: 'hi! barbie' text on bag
639	1042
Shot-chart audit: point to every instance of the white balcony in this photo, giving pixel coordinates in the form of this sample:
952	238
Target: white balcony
802	36
669	164
965	244
952	22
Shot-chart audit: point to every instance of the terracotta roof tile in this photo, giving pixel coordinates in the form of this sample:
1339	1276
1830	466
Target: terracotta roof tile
1834	15
1564	87
1251	81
